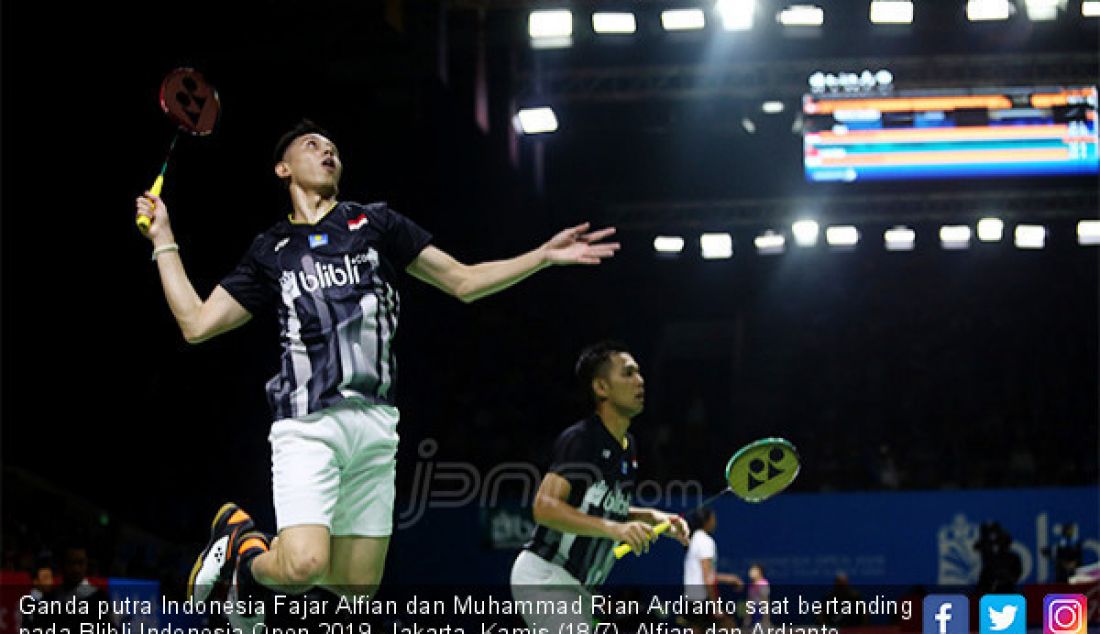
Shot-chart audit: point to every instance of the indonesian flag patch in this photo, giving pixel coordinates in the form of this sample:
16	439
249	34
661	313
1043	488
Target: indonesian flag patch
358	223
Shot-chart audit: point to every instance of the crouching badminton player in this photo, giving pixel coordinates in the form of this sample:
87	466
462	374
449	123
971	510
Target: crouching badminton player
582	507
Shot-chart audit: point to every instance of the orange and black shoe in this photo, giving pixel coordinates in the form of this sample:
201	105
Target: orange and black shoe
245	589
214	566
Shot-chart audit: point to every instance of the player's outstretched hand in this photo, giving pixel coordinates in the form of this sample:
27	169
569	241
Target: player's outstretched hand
152	207
637	534
576	245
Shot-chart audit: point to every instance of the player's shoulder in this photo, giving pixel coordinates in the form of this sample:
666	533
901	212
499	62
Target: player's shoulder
352	209
266	240
584	427
701	537
575	434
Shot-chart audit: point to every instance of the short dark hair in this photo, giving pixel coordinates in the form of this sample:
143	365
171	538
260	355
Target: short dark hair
594	360
700	517
305	126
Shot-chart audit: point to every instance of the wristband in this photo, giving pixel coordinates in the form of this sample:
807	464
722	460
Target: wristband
164	248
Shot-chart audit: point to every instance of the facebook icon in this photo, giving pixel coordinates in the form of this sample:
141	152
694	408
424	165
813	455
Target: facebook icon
946	614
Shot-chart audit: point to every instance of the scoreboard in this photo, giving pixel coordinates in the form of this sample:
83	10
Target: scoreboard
950	134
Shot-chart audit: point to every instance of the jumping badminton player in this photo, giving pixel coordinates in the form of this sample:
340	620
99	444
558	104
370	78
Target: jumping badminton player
329	271
582	507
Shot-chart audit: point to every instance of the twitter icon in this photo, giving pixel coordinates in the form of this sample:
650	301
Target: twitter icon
1003	614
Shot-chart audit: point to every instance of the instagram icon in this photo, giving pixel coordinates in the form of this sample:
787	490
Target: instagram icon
1064	614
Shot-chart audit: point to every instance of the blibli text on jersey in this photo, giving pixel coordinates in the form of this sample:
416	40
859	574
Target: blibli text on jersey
324	276
612	500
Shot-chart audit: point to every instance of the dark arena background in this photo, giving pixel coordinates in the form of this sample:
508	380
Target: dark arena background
938	375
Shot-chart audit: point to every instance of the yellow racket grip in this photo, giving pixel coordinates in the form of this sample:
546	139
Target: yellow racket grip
143	222
622	549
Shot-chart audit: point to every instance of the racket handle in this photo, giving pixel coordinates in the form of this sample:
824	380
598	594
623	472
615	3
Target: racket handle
622	549
143	222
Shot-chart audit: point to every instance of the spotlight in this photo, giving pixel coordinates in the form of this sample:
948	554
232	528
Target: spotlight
990	229
1030	236
736	14
805	233
668	244
716	246
1044	10
772	107
769	243
1088	232
891	12
683	19
557	23
985	10
842	236
802	15
900	239
536	120
1090	9
955	236
614	22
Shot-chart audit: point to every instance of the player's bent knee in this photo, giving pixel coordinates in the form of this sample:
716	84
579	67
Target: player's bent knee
306	568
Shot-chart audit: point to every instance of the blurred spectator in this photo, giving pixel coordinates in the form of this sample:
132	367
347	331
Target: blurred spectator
1066	553
844	593
41	585
1001	566
75	584
758	593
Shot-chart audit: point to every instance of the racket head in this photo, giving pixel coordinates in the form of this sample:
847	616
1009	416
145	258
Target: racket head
190	101
762	469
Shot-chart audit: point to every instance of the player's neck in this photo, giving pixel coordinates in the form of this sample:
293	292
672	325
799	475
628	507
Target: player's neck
616	422
310	206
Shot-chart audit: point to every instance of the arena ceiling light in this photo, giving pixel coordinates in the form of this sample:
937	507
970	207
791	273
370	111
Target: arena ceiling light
805	233
772	107
683	19
1044	10
1090	9
716	246
1031	236
986	10
736	15
769	243
668	244
550	29
991	229
536	120
802	15
842	236
555	23
608	22
891	12
1088	232
899	238
955	236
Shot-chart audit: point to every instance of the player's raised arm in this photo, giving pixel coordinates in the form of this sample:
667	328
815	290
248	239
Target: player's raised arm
198	320
469	282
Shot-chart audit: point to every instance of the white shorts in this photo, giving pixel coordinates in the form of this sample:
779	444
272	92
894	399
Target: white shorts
336	468
535	579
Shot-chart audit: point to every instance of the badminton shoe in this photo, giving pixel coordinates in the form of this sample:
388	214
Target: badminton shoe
215	565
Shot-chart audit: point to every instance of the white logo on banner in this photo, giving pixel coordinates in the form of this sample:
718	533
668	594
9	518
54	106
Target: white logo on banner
959	562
